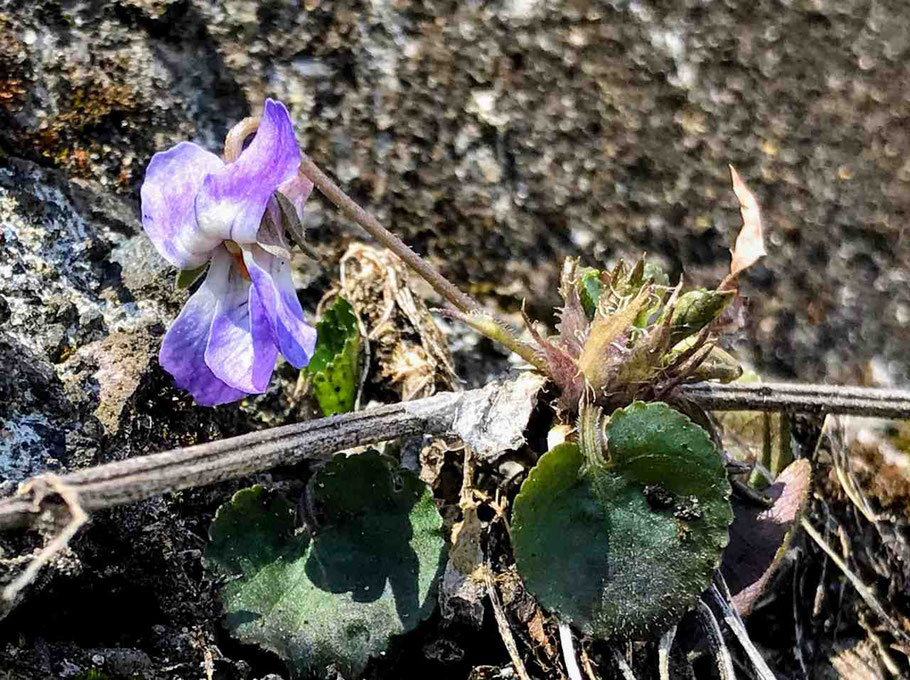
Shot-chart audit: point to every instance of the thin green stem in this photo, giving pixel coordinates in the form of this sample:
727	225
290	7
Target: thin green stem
485	324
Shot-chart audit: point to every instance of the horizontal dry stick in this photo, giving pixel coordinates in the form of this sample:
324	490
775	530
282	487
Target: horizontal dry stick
798	398
135	479
138	478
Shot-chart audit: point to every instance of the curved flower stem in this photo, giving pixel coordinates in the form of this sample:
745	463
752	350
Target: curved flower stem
349	207
237	135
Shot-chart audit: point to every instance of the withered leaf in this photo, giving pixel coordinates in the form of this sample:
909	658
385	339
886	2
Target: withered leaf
759	537
750	245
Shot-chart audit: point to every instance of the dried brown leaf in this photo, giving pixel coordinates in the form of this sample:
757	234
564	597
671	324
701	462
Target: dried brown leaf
760	537
497	424
750	245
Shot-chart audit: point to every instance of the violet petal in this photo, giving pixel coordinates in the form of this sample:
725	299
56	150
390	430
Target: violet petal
233	200
182	353
271	277
240	349
172	180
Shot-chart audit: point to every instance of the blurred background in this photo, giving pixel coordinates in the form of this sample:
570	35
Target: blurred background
498	137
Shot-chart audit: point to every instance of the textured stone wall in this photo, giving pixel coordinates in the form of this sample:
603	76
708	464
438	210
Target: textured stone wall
497	137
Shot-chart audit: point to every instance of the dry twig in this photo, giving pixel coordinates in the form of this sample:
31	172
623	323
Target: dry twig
40	488
587	665
625	671
720	593
798	398
503	624
568	652
716	641
864	591
663	653
135	479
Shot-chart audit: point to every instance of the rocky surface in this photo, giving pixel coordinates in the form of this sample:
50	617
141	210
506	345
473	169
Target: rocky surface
497	137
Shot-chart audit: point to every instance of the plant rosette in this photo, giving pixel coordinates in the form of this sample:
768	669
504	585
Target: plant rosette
620	536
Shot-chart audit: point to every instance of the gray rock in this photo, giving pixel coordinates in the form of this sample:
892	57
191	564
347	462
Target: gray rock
503	137
67	335
35	415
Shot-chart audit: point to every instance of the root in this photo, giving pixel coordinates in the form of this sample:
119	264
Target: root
40	488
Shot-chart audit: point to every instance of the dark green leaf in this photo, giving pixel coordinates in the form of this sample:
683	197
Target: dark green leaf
187	277
334	368
370	572
623	550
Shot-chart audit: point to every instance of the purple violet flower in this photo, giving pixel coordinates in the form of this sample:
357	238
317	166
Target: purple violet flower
196	209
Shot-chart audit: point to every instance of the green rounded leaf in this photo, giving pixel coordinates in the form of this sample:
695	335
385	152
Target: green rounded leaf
623	550
334	368
370	571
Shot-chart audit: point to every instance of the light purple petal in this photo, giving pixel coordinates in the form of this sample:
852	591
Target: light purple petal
232	201
271	277
183	350
297	190
172	179
240	350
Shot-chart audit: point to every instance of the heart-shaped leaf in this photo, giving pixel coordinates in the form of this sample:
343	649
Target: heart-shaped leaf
623	549
370	571
333	369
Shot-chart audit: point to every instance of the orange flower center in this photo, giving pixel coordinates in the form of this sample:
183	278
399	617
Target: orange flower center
235	250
